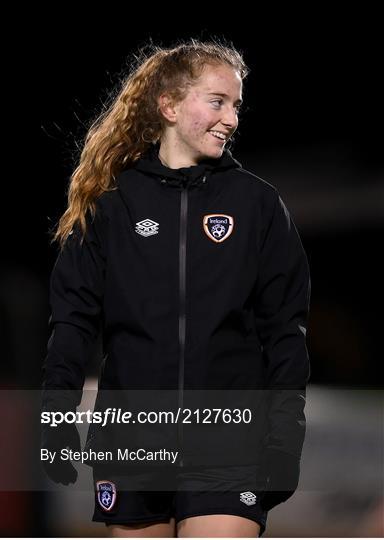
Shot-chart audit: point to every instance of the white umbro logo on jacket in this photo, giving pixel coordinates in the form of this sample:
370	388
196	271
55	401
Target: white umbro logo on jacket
147	227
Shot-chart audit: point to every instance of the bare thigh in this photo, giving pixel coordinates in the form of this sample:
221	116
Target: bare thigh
153	530
218	525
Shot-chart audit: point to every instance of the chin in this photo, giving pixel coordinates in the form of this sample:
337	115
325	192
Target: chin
213	153
208	152
217	153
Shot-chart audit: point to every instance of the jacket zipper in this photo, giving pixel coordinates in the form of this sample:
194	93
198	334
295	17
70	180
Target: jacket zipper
182	310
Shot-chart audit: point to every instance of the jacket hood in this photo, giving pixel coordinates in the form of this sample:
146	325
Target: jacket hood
150	163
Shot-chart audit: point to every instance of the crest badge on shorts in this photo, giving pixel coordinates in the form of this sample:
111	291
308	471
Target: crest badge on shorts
218	227
106	494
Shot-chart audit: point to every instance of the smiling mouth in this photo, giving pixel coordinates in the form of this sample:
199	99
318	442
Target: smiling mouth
218	139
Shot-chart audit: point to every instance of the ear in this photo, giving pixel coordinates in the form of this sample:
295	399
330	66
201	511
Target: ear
167	108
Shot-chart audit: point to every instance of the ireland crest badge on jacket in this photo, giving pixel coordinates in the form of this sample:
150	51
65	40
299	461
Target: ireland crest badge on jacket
218	227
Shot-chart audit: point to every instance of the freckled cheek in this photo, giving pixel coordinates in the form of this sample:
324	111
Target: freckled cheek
196	124
194	129
200	126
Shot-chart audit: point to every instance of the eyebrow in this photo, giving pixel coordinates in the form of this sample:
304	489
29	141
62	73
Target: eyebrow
239	101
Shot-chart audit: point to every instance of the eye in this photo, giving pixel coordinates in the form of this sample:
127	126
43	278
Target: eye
219	102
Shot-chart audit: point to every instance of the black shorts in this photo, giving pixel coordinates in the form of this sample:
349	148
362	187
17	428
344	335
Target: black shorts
196	492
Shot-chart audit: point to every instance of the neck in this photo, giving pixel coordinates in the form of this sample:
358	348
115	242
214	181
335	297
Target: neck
164	162
173	158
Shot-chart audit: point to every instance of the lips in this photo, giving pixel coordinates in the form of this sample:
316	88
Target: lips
222	141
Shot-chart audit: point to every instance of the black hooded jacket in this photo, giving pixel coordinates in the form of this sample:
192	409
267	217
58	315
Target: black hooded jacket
197	280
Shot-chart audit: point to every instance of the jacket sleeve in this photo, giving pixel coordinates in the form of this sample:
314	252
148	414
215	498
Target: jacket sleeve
282	307
76	297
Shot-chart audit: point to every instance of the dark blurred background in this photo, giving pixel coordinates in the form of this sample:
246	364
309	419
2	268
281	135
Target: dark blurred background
312	126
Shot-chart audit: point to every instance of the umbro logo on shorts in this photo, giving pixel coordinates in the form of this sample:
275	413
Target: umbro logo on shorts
248	498
218	226
147	227
106	494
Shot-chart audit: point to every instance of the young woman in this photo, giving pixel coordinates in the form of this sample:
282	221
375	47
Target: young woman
194	273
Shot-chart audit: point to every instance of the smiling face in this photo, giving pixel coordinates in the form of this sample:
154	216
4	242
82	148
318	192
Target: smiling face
199	126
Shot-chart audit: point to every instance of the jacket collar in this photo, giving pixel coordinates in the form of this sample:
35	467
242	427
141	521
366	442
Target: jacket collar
150	163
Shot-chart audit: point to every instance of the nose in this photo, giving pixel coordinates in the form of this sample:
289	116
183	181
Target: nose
230	119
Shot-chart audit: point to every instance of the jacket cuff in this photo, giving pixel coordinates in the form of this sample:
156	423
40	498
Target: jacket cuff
282	470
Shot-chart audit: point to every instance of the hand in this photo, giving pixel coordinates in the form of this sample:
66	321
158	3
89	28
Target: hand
55	439
283	472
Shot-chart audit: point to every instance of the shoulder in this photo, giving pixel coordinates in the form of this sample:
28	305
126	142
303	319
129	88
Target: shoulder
105	204
261	192
263	186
